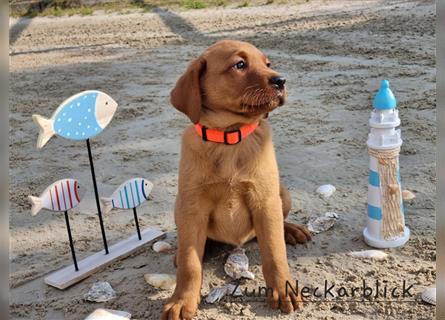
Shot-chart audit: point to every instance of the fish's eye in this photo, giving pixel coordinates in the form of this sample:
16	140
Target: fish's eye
106	102
78	187
240	65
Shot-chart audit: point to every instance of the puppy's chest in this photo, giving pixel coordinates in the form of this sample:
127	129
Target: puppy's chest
227	182
230	167
229	185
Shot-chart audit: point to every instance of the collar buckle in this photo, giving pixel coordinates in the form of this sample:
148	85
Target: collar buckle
226	133
204	133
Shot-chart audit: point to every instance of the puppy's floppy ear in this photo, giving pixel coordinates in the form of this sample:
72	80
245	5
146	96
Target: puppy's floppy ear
186	95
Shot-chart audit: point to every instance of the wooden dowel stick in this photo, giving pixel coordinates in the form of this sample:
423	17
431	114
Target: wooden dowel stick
96	194
70	238
137	223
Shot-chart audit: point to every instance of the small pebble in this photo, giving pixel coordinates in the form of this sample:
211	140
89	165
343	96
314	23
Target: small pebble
161	246
106	314
161	280
326	190
407	195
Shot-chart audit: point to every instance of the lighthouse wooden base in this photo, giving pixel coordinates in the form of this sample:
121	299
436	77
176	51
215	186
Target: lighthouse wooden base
68	276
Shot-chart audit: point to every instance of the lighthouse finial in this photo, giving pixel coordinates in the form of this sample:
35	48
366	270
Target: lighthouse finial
384	99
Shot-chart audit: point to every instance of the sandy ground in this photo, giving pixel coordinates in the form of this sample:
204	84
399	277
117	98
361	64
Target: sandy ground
333	54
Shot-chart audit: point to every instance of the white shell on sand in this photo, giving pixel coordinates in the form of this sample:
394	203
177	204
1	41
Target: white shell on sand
100	292
161	280
107	314
216	294
323	223
369	254
161	246
326	190
407	195
429	296
237	265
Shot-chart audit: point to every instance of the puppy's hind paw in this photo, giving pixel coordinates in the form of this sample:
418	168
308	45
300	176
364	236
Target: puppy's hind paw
295	233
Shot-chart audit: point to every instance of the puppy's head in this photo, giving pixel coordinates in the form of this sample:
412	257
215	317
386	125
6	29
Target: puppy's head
230	76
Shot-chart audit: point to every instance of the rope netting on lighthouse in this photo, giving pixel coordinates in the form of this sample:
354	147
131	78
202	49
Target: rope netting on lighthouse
390	191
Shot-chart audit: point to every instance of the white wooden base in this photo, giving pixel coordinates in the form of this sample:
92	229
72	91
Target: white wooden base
68	276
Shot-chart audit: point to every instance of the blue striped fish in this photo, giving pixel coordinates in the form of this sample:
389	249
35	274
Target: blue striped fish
128	195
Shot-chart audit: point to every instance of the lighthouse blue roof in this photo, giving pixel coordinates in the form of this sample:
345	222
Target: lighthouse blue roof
384	99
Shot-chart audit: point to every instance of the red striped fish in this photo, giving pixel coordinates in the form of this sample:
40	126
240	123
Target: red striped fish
62	195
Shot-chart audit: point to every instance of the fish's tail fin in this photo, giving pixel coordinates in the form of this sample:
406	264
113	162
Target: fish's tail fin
107	204
46	129
36	204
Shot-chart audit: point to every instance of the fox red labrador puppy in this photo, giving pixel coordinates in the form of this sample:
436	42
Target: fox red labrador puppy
229	186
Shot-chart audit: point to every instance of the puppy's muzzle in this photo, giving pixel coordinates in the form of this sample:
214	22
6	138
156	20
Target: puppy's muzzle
278	82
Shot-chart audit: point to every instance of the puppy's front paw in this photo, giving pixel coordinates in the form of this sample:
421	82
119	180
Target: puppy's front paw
295	233
179	308
285	300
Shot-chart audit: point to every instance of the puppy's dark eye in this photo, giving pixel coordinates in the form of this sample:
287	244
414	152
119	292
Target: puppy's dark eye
240	65
268	64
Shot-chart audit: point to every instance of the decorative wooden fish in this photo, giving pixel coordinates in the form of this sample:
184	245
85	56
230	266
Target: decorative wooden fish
62	195
128	195
79	117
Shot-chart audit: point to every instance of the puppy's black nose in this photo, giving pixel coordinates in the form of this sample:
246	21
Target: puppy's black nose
278	82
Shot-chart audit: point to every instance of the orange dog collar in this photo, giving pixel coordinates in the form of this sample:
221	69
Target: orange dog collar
226	137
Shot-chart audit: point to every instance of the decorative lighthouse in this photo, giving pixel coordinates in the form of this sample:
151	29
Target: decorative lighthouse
386	222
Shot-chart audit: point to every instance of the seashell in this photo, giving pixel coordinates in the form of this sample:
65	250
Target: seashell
219	292
107	314
407	195
161	246
331	214
326	190
237	265
100	292
216	294
429	296
161	280
234	290
369	254
323	223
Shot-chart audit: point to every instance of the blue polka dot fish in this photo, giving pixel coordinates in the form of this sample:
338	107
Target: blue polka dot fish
79	117
130	194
